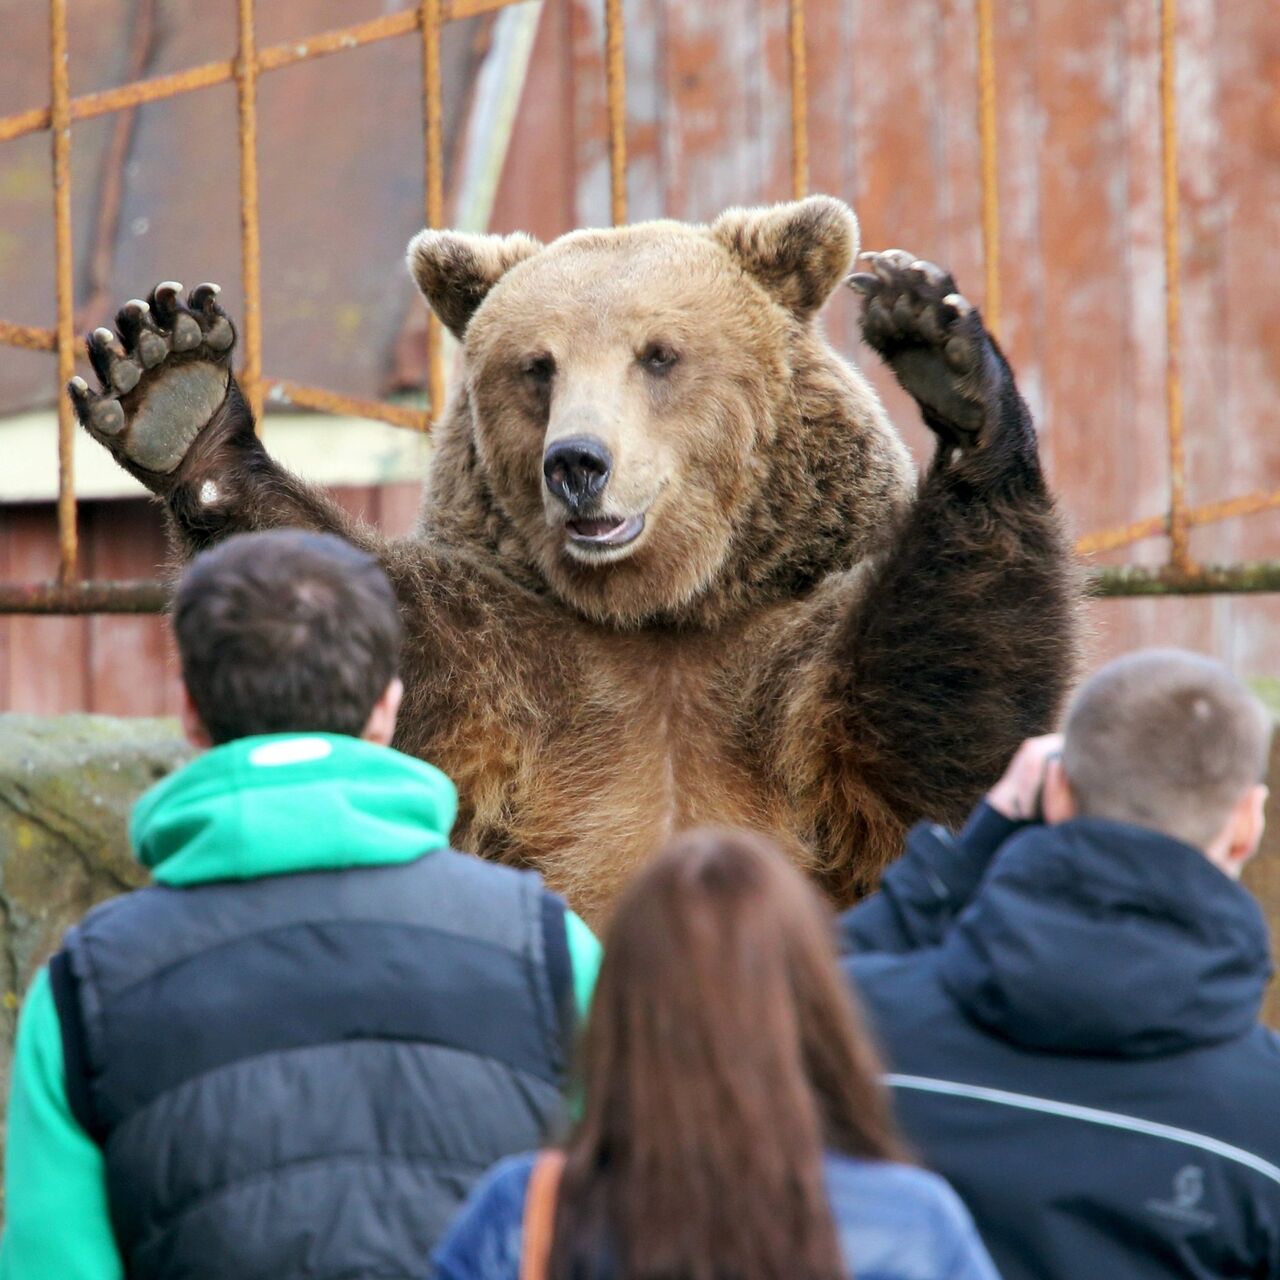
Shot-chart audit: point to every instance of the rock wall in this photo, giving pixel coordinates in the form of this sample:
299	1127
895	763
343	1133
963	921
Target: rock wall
66	788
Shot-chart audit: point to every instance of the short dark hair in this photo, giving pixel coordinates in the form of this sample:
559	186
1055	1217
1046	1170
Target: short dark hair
286	632
1165	739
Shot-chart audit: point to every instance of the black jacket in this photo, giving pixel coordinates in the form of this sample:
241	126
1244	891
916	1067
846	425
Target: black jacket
1072	1038
303	1075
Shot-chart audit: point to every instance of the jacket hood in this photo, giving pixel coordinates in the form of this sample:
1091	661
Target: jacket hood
1099	937
283	803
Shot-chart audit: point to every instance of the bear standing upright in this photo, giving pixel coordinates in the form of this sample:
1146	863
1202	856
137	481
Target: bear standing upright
674	566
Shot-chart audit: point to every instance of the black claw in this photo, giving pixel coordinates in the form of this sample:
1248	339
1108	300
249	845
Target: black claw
129	321
204	298
78	390
932	275
165	301
863	282
102	348
889	263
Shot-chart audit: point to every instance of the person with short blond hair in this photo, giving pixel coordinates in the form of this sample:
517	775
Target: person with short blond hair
1171	741
1068	991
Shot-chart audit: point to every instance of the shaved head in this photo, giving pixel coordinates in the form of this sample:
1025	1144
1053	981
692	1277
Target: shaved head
1165	739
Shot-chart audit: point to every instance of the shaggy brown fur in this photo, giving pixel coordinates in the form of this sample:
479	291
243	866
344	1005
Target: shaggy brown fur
800	640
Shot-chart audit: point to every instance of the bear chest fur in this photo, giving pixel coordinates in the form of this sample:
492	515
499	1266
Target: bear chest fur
579	750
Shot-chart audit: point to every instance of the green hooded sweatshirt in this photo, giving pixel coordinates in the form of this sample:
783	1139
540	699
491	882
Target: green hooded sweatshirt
255	807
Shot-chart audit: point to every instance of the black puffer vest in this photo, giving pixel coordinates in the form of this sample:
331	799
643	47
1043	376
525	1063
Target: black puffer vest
303	1075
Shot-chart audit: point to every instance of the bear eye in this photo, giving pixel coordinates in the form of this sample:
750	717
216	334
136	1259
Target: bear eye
657	357
539	369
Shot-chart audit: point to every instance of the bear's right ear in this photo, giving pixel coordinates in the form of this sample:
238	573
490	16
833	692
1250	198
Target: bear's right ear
455	270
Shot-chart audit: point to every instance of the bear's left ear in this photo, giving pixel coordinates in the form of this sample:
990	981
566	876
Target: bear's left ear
798	251
456	270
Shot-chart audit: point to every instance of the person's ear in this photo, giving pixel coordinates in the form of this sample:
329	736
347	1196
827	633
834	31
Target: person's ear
381	726
192	726
1057	800
1247	823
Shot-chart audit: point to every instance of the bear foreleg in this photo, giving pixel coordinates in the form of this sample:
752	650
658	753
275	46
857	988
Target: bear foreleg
962	641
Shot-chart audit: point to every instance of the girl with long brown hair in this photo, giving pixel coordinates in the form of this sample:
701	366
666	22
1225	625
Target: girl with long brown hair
733	1126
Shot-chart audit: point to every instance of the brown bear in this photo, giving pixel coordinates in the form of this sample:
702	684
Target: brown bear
674	565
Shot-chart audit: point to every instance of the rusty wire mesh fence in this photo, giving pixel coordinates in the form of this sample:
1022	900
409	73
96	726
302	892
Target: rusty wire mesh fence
72	594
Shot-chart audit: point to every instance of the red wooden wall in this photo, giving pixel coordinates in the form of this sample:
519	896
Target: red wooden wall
893	101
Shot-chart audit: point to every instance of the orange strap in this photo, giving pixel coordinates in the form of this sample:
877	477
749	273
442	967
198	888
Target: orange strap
540	1215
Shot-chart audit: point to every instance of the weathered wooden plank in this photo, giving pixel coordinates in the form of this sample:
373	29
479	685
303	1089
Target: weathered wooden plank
536	191
893	112
48	656
711	159
131	663
589	137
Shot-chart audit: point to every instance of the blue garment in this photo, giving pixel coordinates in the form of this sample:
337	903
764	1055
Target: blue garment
894	1223
1069	1015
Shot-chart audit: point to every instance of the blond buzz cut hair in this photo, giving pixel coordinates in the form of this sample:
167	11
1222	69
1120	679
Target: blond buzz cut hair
1165	739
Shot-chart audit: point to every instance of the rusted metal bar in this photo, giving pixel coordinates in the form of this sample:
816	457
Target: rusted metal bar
323	401
60	96
139	597
799	102
987	138
1246	504
1233	579
271	58
1179	549
615	75
83	597
452	10
250	248
125	95
318	46
28	336
433	139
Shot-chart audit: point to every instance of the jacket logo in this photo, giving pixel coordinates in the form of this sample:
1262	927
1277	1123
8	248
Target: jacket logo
1188	1191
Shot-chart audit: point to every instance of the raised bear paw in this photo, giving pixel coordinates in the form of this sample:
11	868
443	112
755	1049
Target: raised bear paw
932	337
165	372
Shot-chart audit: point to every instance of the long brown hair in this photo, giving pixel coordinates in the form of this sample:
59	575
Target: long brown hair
723	1055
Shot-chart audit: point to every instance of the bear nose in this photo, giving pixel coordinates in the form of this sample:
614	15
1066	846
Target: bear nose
577	469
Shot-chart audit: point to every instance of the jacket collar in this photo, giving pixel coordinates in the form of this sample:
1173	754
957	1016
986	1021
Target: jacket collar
1099	937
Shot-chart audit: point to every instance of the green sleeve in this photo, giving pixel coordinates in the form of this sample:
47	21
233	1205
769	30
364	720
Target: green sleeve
56	1218
585	954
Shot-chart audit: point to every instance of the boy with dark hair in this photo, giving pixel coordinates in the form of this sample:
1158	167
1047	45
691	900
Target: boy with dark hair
1068	991
294	1054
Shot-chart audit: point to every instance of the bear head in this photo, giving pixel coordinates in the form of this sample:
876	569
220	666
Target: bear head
650	424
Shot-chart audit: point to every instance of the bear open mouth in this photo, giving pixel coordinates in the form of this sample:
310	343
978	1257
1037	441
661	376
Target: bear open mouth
605	531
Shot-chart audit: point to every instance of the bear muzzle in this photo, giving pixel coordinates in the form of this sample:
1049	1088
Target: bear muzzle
577	470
